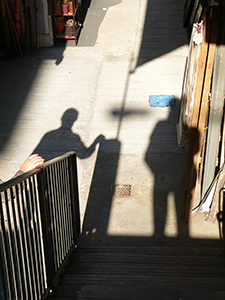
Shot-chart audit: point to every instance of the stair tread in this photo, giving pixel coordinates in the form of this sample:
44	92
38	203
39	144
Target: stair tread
102	273
92	292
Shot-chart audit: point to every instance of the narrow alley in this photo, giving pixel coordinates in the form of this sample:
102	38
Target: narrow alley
93	98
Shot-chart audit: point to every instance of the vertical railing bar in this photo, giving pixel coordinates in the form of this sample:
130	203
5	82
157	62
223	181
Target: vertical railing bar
61	205
35	235
54	228
20	238
4	255
10	260
38	235
2	283
45	215
69	207
31	220
64	208
58	213
69	202
3	275
31	237
69	176
74	197
51	215
57	228
66	205
22	200
51	209
41	244
28	232
62	212
14	243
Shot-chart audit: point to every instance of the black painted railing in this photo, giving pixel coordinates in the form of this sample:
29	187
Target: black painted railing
39	228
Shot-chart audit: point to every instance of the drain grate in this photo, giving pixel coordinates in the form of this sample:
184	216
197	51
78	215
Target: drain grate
122	190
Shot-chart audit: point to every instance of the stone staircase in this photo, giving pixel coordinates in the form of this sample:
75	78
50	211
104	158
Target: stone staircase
157	273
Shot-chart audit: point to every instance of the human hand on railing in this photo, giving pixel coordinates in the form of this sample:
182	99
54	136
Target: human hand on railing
33	162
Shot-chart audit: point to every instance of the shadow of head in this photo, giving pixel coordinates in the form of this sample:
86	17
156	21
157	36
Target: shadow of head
69	117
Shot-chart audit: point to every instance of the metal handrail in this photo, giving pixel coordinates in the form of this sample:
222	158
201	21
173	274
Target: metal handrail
39	228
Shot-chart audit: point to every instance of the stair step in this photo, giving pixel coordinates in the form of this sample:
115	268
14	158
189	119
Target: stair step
196	251
135	293
126	272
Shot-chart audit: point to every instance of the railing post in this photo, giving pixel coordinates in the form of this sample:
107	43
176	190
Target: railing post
74	196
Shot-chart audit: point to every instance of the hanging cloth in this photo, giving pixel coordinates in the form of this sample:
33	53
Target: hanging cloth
15	9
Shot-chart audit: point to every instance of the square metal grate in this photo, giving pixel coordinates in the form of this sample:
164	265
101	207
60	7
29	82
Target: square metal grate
122	190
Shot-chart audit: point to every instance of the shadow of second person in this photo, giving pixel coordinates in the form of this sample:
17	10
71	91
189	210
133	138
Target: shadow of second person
166	163
59	141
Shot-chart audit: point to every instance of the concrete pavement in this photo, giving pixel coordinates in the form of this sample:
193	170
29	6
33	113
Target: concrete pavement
138	49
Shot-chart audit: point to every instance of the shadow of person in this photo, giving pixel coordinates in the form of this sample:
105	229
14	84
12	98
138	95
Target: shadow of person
63	139
99	203
167	165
